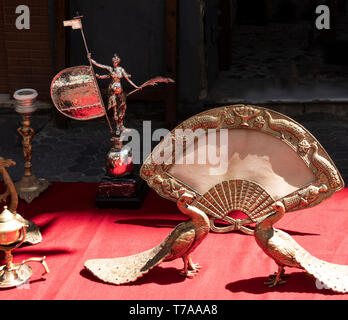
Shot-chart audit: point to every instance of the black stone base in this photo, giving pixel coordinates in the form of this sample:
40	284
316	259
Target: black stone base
121	193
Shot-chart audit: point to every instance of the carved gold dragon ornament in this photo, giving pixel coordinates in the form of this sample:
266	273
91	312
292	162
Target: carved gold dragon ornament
327	178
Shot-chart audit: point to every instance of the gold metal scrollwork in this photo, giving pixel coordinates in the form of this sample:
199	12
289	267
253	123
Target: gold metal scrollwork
326	178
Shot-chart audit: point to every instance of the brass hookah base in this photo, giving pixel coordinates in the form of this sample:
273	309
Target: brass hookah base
29	188
16	274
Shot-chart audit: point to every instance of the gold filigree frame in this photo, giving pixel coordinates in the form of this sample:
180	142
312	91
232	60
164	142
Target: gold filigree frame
327	179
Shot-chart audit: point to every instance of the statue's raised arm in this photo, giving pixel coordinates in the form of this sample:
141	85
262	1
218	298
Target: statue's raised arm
127	77
99	65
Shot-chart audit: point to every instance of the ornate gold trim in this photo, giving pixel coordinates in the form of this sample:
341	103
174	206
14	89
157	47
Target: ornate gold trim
327	178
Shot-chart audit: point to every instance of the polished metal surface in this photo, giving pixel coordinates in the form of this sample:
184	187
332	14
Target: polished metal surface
180	243
75	94
12	235
119	162
29	187
263	148
33	234
19	275
286	252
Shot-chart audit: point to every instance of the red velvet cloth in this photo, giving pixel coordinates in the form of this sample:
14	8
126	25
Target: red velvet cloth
234	267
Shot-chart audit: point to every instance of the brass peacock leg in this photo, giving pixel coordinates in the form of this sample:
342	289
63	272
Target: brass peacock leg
189	271
283	275
193	266
276	279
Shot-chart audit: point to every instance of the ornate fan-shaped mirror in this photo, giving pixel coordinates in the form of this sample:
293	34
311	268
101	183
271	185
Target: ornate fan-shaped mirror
240	159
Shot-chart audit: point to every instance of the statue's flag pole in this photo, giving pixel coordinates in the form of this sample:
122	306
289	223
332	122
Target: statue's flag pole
76	24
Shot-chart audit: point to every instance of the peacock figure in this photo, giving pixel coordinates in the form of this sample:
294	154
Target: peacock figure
286	252
180	243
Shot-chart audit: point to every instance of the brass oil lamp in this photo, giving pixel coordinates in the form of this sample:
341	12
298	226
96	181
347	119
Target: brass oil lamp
12	235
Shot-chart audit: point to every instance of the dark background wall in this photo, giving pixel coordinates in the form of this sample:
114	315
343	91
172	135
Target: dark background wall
190	59
26	57
136	31
3	53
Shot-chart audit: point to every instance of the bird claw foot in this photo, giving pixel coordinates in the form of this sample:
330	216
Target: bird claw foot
195	267
276	278
274	275
188	274
273	283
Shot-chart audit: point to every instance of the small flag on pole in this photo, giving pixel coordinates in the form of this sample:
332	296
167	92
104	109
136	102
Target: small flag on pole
74	24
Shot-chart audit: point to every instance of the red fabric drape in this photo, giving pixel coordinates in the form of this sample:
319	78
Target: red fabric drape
234	267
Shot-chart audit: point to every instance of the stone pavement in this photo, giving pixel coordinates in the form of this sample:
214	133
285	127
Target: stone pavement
77	152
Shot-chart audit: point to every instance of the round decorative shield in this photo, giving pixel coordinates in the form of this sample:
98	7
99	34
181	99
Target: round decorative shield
75	94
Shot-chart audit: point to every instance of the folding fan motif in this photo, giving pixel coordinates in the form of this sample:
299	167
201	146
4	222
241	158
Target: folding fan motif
235	195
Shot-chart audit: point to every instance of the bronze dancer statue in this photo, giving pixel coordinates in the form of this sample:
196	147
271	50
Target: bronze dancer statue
116	95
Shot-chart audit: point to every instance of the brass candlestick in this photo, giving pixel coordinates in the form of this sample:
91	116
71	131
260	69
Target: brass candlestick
12	235
29	187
